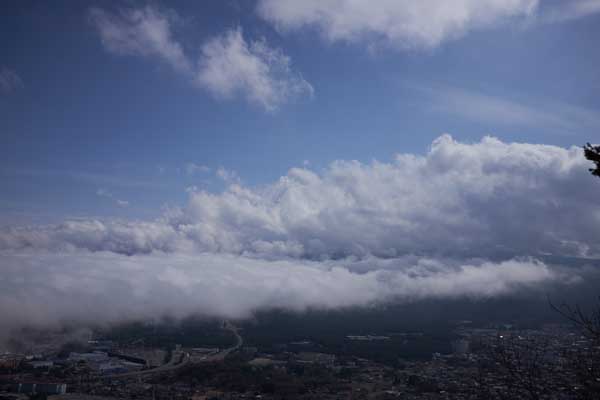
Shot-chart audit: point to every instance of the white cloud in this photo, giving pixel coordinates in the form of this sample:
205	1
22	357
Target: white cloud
105	193
228	67
9	81
462	220
459	200
406	24
141	32
46	288
227	176
553	116
466	200
192	168
403	24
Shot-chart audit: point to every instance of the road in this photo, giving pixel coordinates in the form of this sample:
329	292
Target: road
178	360
220	356
181	359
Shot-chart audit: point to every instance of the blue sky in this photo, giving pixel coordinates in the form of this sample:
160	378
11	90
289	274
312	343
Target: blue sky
90	129
227	157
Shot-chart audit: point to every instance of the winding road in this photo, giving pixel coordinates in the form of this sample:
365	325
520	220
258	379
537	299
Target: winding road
220	356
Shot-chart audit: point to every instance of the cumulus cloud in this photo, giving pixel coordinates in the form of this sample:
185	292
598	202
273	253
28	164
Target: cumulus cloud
229	66
462	220
9	81
465	200
407	24
404	24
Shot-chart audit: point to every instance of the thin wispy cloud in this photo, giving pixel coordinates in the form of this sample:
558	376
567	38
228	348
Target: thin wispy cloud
105	193
569	10
227	176
122	203
229	66
193	169
91	178
553	116
9	81
141	32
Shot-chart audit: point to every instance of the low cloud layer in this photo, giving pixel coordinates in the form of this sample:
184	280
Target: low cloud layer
45	288
229	66
462	220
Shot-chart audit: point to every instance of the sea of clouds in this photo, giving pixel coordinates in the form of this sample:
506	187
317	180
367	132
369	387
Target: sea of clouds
464	220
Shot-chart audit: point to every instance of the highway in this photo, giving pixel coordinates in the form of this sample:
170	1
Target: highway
220	356
181	359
